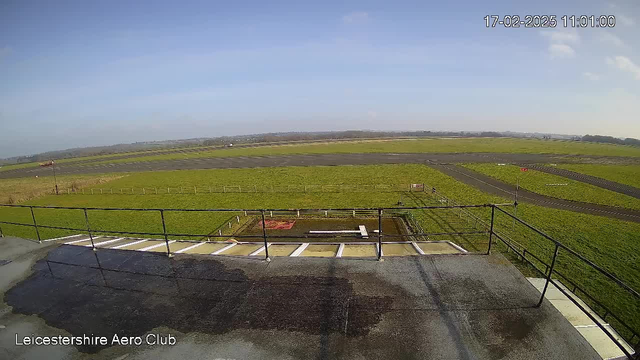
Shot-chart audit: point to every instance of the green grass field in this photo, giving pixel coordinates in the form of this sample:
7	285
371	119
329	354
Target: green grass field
611	243
428	145
435	145
537	181
624	174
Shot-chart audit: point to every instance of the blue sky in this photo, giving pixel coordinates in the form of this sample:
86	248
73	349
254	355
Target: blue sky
82	73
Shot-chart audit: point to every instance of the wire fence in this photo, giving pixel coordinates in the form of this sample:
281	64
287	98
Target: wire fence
287	188
551	259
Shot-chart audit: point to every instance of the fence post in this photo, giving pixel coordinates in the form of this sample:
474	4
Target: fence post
1	233
379	234
86	219
264	237
546	284
33	216
164	230
195	190
144	192
493	213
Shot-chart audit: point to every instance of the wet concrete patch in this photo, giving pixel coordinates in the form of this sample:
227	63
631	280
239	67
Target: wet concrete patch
130	293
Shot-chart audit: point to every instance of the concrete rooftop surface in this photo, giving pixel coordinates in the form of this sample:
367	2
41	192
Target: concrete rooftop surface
414	307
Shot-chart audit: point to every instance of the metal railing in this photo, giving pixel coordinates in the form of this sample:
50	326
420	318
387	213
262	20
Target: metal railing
380	212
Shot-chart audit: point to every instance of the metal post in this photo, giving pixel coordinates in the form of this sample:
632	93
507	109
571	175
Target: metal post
493	213
54	175
164	230
86	219
553	263
35	224
264	236
379	234
1	233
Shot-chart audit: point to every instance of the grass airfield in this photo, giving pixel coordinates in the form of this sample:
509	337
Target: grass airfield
610	243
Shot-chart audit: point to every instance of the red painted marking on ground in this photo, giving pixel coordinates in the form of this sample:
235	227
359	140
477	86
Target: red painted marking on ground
277	224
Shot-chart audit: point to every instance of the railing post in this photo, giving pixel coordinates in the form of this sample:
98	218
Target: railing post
86	219
33	216
493	213
264	237
553	263
379	234
164	230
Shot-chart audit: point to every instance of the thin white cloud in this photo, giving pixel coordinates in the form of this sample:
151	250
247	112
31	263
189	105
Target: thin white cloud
561	51
625	64
561	37
591	76
561	43
611	39
356	17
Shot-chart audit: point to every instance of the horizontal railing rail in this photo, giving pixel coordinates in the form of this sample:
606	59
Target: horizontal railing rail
487	227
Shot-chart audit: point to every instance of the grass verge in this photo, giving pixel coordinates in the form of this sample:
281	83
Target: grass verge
546	184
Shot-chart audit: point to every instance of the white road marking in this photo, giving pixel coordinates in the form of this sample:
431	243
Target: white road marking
77	241
457	247
224	249
340	250
156	245
259	250
125	245
299	250
105	242
64	237
189	248
363	231
415	246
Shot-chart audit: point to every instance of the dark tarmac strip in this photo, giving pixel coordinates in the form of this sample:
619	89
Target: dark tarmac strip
306	160
605	184
496	187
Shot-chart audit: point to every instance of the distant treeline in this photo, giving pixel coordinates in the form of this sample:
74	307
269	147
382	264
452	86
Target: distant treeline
611	140
340	135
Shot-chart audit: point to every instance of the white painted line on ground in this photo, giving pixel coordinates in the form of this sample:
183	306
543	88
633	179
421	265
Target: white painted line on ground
156	245
587	326
189	248
415	246
125	245
299	250
334	231
340	250
105	242
259	250
77	241
363	231
224	249
457	247
64	237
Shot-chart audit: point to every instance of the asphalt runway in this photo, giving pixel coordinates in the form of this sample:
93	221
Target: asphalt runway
499	188
605	184
308	160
